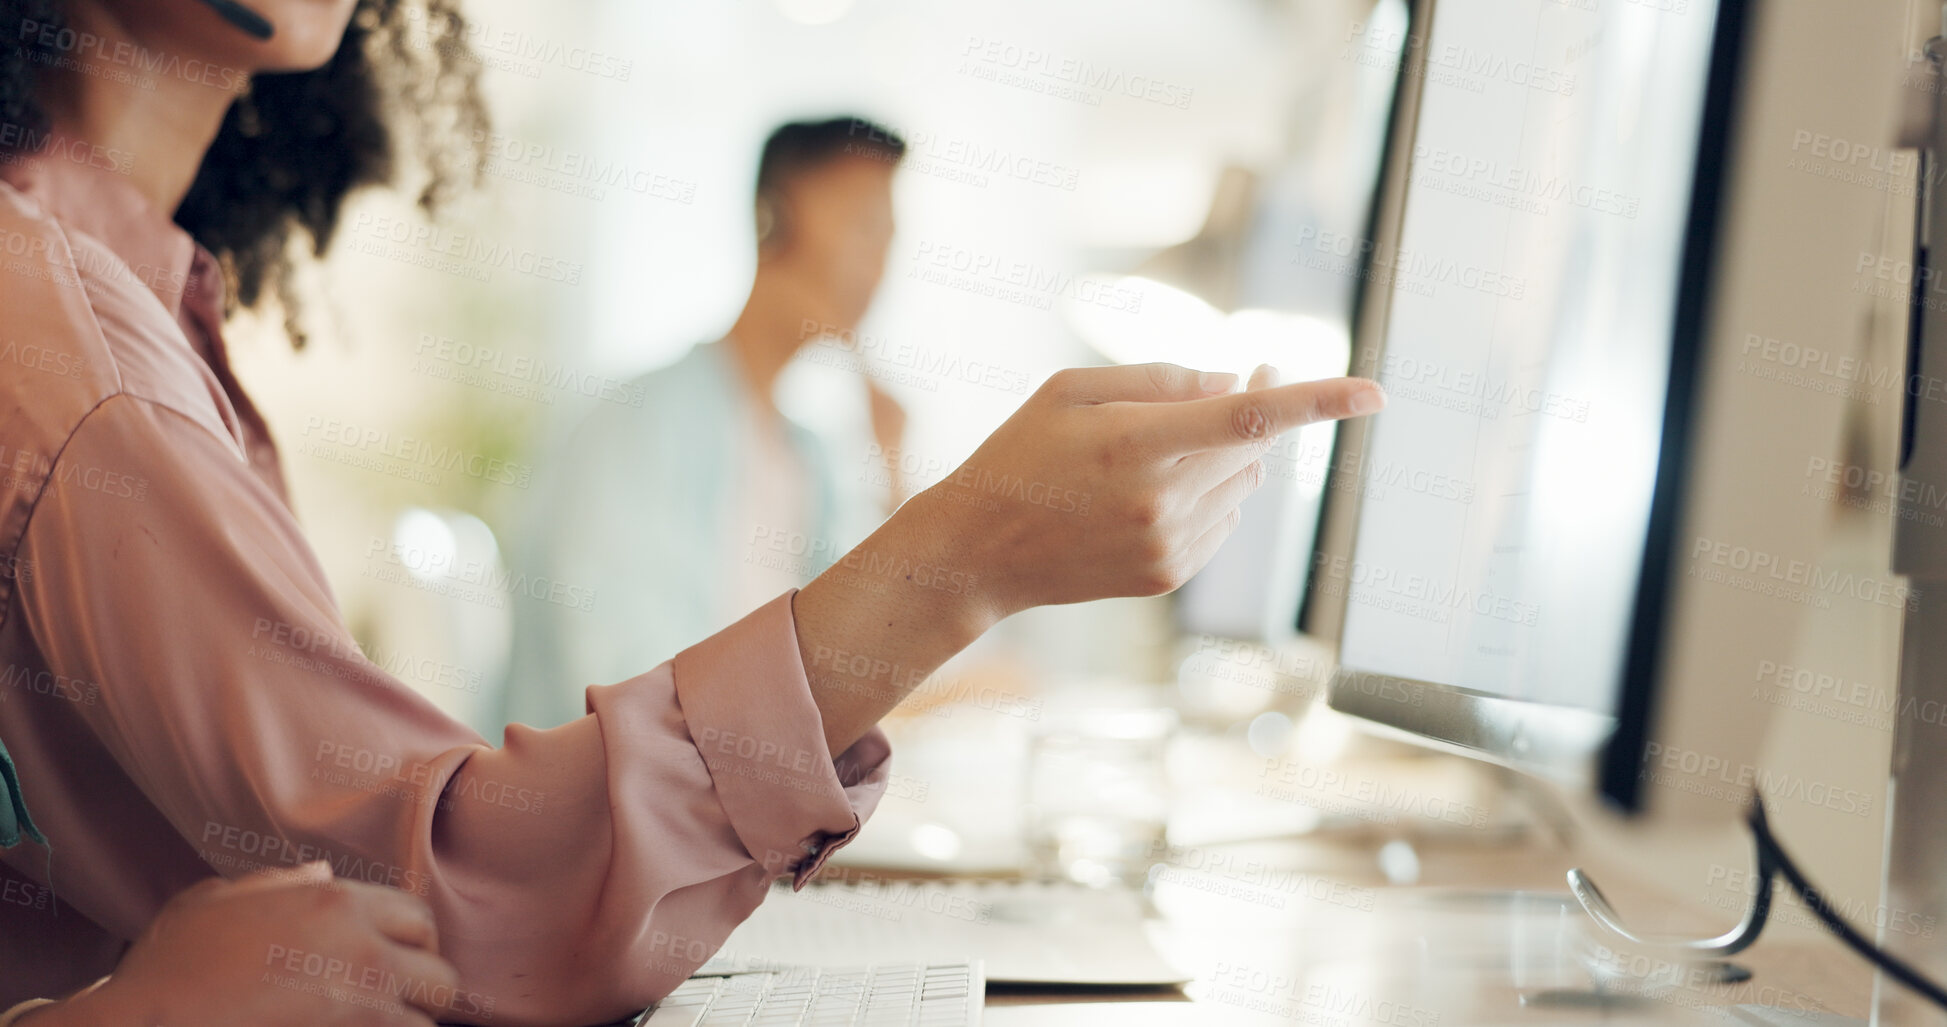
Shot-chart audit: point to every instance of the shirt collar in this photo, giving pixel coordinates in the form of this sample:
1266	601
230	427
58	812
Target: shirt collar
103	204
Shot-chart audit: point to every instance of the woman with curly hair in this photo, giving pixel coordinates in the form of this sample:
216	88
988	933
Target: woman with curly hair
179	698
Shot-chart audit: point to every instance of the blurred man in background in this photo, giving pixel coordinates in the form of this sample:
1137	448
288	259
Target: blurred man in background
705	502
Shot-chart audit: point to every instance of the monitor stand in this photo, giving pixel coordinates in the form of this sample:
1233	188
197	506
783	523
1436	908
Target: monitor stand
1710	955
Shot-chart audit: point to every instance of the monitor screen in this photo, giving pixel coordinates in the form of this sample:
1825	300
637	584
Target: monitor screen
1507	487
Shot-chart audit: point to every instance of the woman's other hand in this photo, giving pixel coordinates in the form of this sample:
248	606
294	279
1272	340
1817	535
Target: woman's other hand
291	948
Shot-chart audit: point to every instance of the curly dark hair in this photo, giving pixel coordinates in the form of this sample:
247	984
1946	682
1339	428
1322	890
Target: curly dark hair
296	144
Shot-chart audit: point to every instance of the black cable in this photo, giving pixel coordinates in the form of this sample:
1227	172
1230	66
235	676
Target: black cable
1770	851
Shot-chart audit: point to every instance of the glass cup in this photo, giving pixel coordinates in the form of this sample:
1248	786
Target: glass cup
1097	802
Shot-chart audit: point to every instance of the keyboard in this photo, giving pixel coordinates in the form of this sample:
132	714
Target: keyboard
921	995
1020	932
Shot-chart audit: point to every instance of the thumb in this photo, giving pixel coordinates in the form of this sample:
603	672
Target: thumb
1142	383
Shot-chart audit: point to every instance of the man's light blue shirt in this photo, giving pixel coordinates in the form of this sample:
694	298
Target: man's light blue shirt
638	508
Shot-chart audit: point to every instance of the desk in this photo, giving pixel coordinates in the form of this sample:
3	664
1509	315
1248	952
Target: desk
1307	930
1323	940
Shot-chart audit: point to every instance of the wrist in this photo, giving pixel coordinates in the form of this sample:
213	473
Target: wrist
881	620
958	573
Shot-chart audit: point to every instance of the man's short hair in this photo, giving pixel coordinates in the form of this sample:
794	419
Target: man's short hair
799	146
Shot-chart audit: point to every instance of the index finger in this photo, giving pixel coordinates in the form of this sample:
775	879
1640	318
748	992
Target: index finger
1258	416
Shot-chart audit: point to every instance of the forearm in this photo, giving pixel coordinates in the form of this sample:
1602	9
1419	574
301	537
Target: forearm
886	615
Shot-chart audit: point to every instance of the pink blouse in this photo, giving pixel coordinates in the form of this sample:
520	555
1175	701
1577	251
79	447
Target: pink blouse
181	696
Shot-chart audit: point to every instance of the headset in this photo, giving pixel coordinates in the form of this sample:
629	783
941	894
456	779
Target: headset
242	18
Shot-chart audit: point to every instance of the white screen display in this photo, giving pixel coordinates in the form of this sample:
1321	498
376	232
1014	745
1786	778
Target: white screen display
1508	483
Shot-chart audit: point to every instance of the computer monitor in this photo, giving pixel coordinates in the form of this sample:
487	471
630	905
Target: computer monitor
1549	560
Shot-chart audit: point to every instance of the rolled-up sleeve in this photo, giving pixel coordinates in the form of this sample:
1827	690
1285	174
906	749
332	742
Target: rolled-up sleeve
576	873
748	707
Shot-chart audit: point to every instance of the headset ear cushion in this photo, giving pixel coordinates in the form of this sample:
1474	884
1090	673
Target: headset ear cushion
766	220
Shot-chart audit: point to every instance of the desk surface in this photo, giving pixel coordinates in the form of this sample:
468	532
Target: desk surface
1301	933
1307	930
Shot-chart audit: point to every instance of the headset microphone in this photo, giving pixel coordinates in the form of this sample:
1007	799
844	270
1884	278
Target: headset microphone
243	18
